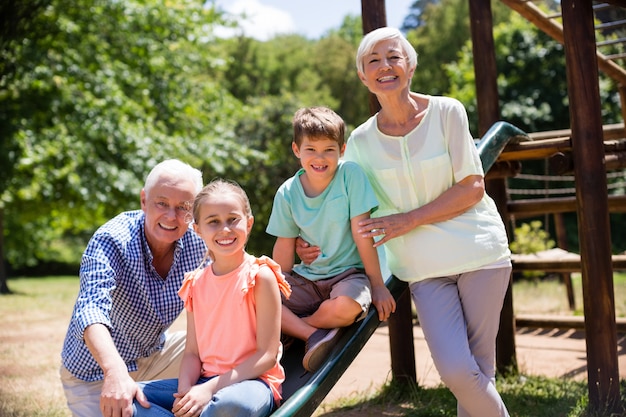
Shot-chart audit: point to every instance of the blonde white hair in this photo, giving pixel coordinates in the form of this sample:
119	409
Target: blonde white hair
369	42
177	169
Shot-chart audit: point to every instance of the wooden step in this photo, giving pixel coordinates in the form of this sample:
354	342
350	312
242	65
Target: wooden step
557	260
542	321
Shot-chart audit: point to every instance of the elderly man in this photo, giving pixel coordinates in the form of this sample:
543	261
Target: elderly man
130	273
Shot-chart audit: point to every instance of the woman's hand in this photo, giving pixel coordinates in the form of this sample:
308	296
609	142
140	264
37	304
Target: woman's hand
386	227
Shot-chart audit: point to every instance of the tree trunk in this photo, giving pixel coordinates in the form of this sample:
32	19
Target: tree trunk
4	288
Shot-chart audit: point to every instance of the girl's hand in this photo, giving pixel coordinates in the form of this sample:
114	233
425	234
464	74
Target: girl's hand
191	403
386	227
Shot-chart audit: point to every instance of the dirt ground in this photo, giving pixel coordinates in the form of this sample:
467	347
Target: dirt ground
37	343
545	352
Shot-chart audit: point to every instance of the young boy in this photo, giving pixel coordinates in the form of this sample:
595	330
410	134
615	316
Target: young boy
323	204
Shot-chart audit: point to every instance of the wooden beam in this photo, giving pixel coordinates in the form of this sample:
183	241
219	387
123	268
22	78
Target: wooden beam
401	340
609	132
539	206
373	16
559	322
592	203
486	73
571	263
555	30
541	149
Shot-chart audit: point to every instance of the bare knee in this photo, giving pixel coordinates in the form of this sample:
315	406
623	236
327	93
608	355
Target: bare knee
340	311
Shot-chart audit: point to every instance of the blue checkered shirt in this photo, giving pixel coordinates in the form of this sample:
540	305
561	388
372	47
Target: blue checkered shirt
120	288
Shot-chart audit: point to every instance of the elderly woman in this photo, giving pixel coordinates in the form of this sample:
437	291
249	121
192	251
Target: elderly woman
440	231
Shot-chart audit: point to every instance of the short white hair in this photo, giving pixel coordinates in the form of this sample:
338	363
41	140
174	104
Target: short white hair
369	42
176	168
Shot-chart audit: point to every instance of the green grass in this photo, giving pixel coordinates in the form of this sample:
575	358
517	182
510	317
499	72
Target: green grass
549	296
34	319
524	397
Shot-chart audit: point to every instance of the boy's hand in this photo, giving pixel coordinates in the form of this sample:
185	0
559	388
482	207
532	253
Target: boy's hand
306	252
383	301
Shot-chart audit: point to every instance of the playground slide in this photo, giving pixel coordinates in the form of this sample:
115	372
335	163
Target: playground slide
303	391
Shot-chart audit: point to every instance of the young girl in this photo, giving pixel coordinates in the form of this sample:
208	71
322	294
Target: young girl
230	366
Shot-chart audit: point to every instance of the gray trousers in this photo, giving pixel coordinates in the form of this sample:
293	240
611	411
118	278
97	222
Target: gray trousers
460	317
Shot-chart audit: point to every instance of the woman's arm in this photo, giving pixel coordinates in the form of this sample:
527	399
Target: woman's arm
451	203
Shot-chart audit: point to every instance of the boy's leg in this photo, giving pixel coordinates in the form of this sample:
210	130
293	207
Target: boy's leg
304	300
340	311
349	296
295	326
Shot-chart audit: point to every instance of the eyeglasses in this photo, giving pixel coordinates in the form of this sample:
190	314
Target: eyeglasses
182	211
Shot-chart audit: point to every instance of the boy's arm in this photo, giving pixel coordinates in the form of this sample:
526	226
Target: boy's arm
284	252
381	297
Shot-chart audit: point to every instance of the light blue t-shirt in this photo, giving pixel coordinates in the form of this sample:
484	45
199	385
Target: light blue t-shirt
324	220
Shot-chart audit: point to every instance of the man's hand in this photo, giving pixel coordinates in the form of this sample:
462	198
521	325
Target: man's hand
306	252
118	392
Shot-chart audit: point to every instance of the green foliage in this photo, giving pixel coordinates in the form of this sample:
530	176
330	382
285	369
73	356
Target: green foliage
532	83
98	93
531	238
440	39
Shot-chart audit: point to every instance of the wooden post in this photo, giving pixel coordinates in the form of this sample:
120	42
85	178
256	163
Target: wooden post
401	341
592	204
486	74
561	239
373	16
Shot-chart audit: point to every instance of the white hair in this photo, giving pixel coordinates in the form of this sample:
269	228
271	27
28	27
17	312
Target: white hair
369	42
176	168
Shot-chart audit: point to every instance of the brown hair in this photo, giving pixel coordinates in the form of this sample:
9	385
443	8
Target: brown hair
216	187
318	122
220	186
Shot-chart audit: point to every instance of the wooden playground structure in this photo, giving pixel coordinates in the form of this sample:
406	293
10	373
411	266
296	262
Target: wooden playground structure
588	150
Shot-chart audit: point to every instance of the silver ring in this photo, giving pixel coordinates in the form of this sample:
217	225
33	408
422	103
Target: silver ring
382	230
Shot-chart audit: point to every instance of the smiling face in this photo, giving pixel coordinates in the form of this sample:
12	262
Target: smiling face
319	158
224	225
166	206
386	68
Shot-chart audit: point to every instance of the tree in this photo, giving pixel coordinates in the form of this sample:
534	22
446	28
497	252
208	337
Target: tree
415	17
532	83
440	39
532	89
92	101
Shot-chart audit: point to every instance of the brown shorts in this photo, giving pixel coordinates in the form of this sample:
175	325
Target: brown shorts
306	295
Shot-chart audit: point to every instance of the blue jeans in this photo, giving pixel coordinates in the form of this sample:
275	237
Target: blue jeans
250	398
